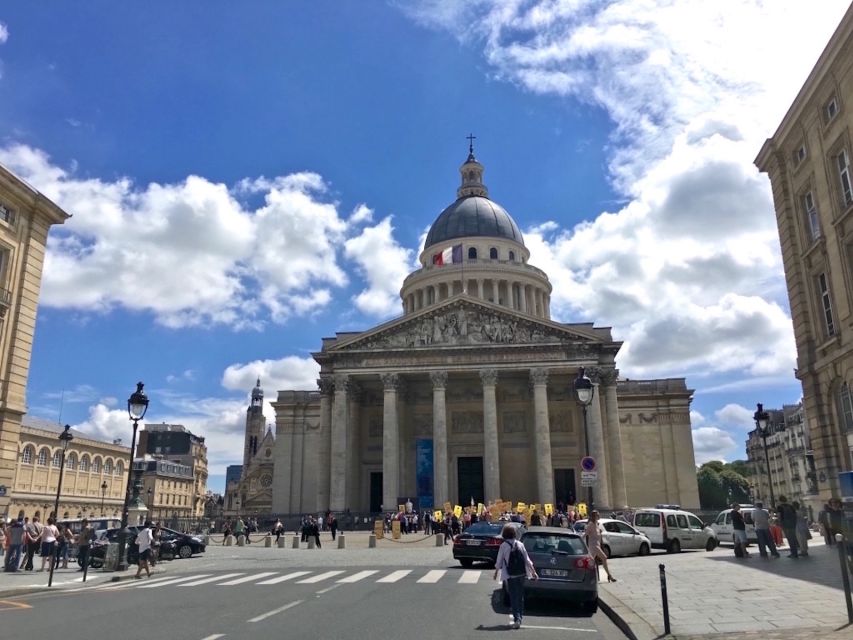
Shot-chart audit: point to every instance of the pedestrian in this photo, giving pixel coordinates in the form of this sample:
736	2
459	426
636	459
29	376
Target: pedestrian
66	538
593	535
143	540
739	539
49	536
788	519
15	537
226	530
761	518
32	538
278	529
515	568
802	529
427	523
825	528
535	519
156	536
333	525
314	530
835	517
239	529
84	541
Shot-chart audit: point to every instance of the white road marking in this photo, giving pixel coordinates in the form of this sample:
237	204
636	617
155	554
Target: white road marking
214	636
469	577
224	576
361	575
246	579
285	577
433	576
327	589
533	626
394	576
266	615
149	585
319	578
128	583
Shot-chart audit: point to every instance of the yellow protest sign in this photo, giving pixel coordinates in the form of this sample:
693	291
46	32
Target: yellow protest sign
480	508
581	509
549	509
521	507
437	515
401	508
457	511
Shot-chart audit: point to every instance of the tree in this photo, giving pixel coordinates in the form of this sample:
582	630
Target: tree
720	484
740	466
711	492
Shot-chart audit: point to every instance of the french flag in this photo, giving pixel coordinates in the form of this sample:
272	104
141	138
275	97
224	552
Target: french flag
448	256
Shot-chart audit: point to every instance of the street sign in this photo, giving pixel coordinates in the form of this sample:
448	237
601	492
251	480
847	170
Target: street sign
588	463
589	478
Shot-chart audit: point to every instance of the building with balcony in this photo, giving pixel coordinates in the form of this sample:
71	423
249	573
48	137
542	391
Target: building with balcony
168	490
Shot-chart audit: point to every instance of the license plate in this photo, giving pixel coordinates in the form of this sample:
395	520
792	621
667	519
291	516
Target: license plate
474	543
555	573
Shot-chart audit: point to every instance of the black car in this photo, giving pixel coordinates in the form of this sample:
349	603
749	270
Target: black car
173	544
481	541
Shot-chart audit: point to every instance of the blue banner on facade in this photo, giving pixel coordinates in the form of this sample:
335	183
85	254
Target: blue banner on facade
424	472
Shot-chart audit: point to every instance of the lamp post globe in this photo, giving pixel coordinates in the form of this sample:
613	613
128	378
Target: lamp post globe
762	426
584	391
137	405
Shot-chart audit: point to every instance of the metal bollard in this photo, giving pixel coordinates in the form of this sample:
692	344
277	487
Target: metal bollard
666	627
295	543
371	541
439	540
268	541
845	576
342	541
311	543
281	542
241	541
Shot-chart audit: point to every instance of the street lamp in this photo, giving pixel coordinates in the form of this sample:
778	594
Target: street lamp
148	502
584	392
104	486
65	437
762	425
137	405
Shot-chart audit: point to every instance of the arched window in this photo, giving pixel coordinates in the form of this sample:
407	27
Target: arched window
108	467
72	461
57	458
120	469
27	456
84	463
472	253
846	407
512	255
96	465
493	253
42	459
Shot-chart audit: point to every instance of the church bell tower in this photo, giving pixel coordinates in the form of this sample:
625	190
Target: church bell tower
254	426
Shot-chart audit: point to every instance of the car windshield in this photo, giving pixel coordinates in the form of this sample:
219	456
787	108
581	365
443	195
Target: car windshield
548	542
647	520
485	528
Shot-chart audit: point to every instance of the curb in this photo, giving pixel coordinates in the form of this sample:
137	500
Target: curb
616	619
24	591
629	622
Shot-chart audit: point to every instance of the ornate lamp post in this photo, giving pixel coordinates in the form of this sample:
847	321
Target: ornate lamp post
584	392
137	405
762	425
148	502
65	437
104	487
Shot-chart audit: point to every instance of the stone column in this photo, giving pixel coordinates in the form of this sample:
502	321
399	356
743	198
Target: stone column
596	441
353	447
614	439
439	438
522	297
491	447
338	446
542	437
390	442
324	449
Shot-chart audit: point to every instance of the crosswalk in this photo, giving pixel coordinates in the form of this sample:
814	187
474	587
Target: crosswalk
338	576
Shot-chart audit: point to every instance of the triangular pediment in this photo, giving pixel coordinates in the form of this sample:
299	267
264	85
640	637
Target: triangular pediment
465	321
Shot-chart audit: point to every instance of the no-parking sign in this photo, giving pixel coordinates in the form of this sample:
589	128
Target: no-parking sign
588	463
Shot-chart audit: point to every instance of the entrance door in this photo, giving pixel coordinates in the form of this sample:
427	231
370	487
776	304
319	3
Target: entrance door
376	492
470	474
564	486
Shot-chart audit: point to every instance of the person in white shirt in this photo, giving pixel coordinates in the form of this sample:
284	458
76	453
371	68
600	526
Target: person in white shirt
143	540
48	542
515	567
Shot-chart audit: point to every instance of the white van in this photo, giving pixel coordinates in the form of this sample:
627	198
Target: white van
673	529
722	526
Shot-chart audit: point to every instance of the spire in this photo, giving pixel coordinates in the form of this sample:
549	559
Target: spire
472	174
257	394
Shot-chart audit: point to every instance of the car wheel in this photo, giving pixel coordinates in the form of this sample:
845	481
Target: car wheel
590	607
644	549
96	563
185	551
466	562
711	544
674	547
606	549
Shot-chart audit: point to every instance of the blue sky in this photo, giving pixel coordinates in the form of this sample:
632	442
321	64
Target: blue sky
246	179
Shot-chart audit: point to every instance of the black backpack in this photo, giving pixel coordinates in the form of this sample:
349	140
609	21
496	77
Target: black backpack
515	565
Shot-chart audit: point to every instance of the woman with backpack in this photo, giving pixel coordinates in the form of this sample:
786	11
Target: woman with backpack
515	567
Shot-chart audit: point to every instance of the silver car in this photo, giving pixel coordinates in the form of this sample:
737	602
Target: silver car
565	568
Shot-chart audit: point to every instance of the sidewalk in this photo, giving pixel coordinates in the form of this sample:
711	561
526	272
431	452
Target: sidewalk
21	582
715	595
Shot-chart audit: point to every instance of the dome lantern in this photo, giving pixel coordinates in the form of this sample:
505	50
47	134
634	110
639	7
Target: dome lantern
472	175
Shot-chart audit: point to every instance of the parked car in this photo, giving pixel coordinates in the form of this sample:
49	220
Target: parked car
722	526
481	541
674	529
565	568
620	538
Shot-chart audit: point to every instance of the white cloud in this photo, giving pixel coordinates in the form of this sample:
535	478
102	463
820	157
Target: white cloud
688	271
290	372
362	213
712	443
4	33
735	415
79	393
696	418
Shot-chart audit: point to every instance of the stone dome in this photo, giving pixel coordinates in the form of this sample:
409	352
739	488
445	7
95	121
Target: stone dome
473	215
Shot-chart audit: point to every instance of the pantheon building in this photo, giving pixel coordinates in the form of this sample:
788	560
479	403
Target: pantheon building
469	394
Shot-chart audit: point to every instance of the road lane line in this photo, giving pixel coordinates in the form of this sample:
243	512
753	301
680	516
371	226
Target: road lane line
285	577
433	576
394	576
224	576
8	605
320	578
214	636
469	577
148	585
255	576
266	615
126	584
361	575
533	626
327	589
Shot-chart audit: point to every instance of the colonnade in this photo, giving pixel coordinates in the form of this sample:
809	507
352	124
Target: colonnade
513	294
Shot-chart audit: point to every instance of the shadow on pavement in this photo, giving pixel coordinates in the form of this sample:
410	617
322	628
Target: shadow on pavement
821	566
545	607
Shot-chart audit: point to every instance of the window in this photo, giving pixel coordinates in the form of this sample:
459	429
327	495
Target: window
42	460
844	175
670	521
548	543
811	216
721	518
57	458
682	522
799	154
846	407
27	456
647	520
493	253
831	108
512	255
120	469
84	463
72	461
96	465
108	466
7	214
695	523
472	253
611	527
625	528
826	304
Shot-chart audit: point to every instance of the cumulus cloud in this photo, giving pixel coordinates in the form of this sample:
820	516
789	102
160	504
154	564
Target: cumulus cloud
4	33
290	372
712	443
688	271
735	415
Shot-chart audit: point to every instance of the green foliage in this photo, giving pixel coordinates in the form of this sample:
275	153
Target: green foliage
720	484
740	466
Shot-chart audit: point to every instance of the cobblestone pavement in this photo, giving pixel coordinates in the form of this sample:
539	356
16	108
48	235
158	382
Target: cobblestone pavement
715	595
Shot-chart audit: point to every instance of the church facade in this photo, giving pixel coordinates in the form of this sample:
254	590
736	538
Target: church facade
469	395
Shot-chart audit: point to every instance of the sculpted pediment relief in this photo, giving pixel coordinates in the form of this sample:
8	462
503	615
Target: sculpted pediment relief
464	324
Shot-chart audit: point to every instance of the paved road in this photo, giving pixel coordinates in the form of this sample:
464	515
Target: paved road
322	602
